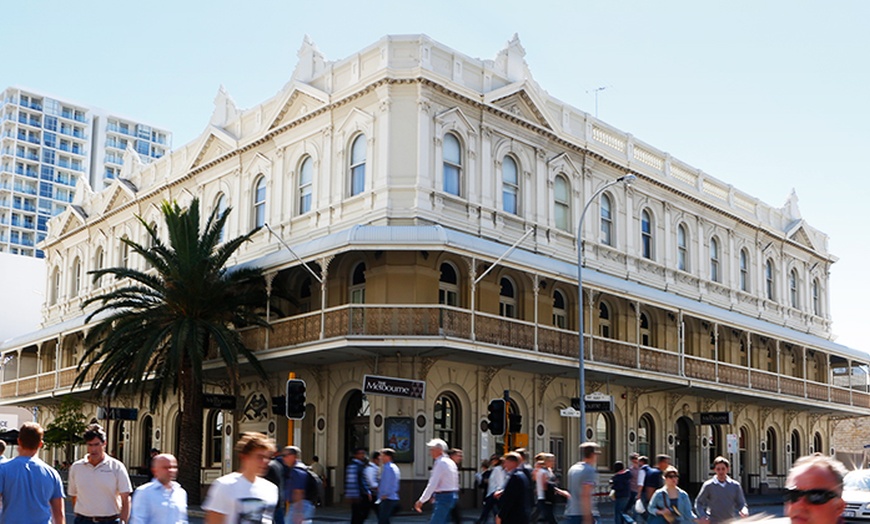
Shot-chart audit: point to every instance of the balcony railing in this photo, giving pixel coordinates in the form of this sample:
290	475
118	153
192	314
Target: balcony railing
439	322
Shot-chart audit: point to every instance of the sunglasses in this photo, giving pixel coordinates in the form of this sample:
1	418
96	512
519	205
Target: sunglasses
672	476
816	497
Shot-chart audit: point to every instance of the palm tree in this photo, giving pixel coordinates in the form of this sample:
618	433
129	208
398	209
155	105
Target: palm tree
154	332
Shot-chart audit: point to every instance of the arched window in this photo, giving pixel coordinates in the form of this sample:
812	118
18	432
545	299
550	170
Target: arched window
645	331
560	315
817	302
54	291
215	432
742	443
177	444
604	320
817	443
771	451
795	446
125	253
646	444
220	206
794	295
76	277
714	260
562	203
305	295
646	237
358	165
744	270
357	289
602	425
768	280
118	440
306	178
448	285
606	221
510	186
147	440
452	153
151	243
99	263
682	248
446	420
260	201
507	299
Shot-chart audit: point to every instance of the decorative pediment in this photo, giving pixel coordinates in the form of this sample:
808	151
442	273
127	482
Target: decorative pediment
213	144
798	233
72	220
454	119
357	120
300	100
116	195
522	101
259	165
562	163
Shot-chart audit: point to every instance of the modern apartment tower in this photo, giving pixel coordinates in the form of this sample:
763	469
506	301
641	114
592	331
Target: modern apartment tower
46	145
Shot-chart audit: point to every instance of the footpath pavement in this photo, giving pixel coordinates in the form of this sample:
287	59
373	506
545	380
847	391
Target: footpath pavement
770	504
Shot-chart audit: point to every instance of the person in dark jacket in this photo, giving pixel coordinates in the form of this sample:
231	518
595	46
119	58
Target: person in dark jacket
620	483
513	500
275	474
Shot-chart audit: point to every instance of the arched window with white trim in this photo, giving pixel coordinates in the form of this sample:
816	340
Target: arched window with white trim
562	203
682	248
76	283
604	321
715	275
507	298
221	206
304	187
645	330
448	285
793	292
259	202
606	221
357	290
769	280
99	263
560	313
54	290
817	300
452	161
357	167
510	186
646	234
744	270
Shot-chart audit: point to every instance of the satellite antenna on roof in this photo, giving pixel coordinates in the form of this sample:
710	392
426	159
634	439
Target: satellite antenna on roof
596	91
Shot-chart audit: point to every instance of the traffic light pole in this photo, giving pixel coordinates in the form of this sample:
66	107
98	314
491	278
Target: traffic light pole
291	427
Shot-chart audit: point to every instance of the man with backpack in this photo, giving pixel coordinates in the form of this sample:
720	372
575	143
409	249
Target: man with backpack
301	488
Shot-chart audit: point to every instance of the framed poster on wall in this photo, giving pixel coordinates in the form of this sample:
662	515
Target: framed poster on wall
399	435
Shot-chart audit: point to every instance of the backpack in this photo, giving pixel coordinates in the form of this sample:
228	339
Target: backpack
314	491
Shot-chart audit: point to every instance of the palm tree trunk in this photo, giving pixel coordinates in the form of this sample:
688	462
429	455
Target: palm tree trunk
190	446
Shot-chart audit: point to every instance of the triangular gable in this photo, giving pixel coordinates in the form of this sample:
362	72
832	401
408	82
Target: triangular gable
71	222
799	235
562	163
301	99
214	145
259	165
522	101
454	119
119	194
357	120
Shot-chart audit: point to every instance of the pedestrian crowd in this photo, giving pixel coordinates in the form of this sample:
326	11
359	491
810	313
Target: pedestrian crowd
277	487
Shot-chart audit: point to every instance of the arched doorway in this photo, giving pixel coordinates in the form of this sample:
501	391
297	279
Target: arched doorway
309	433
356	423
147	442
683	448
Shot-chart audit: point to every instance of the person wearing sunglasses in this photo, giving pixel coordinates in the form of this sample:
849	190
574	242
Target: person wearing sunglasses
670	504
814	490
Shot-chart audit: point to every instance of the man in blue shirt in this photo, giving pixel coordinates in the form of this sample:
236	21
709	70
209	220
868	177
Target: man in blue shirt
388	489
161	501
31	489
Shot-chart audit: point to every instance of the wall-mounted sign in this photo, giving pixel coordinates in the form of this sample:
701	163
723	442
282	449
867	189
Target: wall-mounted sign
394	387
219	401
118	413
595	403
713	418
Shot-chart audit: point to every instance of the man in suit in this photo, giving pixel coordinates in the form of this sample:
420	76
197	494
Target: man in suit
513	500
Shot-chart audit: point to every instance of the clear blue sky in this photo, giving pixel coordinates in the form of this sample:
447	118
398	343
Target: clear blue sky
767	96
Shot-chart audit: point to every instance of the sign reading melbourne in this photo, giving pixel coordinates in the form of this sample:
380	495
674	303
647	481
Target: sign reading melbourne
219	401
714	418
394	387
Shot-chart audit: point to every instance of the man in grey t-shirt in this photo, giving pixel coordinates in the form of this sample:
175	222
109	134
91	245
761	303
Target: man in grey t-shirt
582	480
721	498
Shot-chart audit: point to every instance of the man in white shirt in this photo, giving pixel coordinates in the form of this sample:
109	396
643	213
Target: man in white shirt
443	484
99	485
244	497
371	472
161	501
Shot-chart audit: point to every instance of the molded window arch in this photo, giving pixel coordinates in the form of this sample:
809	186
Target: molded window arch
606	220
646	234
645	329
646	436
357	167
715	273
772	451
769	274
603	428
124	259
793	292
214	445
682	248
605	318
817	299
448	285
447	418
99	263
451	152
259	201
304	185
357	290
744	270
507	298
817	443
220	205
562	202
76	286
510	185
560	309
54	291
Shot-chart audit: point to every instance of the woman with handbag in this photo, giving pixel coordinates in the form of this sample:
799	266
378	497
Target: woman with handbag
670	504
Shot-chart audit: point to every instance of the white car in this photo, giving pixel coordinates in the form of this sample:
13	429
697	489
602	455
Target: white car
856	493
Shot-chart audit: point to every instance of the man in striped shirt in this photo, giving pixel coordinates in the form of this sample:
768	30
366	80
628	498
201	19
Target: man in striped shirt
443	486
356	489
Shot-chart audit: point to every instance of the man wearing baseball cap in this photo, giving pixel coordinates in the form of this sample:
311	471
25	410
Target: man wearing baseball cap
443	486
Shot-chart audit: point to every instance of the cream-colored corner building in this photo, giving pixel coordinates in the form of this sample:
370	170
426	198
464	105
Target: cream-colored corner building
400	174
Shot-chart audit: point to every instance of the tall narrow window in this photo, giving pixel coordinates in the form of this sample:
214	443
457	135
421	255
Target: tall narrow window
560	315
817	304
562	203
744	271
646	238
645	333
446	420
358	284
358	165
682	248
54	292
507	299
452	153
714	260
768	279
603	425
510	185
99	263
306	176
215	438
76	277
793	294
125	252
606	221
221	207
448	286
260	202
646	442
604	320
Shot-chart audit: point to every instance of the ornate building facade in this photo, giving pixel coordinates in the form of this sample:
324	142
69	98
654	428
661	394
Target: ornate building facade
401	175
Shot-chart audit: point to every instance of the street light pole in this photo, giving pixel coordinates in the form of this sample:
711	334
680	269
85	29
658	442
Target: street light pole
627	180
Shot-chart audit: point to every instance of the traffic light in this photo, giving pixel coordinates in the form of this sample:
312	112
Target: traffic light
515	421
497	416
295	399
279	405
